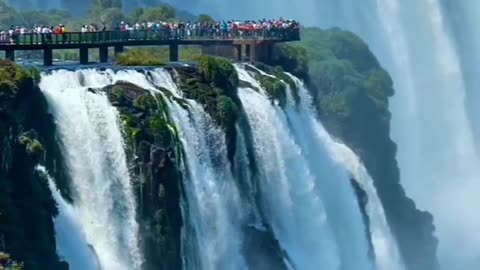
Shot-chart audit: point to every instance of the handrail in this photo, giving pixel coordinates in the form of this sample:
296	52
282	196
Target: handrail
283	34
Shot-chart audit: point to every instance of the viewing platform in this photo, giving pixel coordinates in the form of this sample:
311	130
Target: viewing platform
239	45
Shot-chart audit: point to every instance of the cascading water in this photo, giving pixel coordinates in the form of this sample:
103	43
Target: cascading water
385	248
104	204
71	242
299	177
429	48
213	199
306	198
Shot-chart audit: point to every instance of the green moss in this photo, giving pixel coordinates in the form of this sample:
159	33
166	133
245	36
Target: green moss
219	72
279	73
12	77
119	94
159	128
227	111
32	145
275	89
145	103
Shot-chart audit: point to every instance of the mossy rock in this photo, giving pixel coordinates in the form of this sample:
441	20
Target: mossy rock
228	112
32	145
218	71
279	73
145	103
275	88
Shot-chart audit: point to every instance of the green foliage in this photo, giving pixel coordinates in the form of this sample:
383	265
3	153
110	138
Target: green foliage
12	76
136	15
119	94
204	18
5	259
158	127
138	57
345	71
218	71
145	103
279	73
292	58
163	13
32	145
227	111
111	17
275	88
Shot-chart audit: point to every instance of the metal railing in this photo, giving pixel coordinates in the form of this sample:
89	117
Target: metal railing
288	34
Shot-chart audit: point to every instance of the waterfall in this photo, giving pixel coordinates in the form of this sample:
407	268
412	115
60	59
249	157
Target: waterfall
104	204
70	240
212	196
308	199
386	251
430	49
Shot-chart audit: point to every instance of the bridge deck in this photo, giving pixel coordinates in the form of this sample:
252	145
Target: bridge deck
74	40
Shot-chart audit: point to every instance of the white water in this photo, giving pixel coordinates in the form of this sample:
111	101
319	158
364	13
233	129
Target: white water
309	201
70	240
430	47
214	205
386	251
93	150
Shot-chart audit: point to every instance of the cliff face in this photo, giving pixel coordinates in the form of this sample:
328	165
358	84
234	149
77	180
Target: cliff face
26	204
351	91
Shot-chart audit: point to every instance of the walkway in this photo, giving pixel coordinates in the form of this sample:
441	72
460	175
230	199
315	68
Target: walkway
119	39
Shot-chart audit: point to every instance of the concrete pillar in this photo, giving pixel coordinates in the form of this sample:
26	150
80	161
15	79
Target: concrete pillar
10	54
237	52
103	53
83	55
47	56
248	49
173	52
253	53
118	49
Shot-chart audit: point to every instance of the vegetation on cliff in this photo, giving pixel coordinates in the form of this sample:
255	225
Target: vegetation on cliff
352	92
213	83
25	198
154	152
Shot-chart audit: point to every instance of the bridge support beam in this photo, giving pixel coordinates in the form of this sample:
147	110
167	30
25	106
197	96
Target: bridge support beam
238	52
118	49
248	52
103	53
83	56
173	52
10	54
47	56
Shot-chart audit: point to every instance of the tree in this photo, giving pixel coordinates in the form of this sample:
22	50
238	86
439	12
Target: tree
204	18
107	4
112	16
136	15
163	13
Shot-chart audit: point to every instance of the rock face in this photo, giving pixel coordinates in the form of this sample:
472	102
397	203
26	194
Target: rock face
26	204
351	91
154	154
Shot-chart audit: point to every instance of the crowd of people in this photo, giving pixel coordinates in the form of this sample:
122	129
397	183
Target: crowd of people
205	29
44	32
